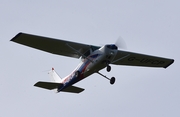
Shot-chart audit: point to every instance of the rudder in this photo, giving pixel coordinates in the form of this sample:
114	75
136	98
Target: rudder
54	76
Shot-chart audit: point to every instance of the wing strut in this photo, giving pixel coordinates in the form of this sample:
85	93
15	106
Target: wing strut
120	59
79	52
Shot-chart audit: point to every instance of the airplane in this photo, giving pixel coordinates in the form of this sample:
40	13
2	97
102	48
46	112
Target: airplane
93	59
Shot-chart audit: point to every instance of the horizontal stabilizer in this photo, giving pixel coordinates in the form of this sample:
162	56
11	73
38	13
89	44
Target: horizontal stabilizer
54	85
73	89
48	85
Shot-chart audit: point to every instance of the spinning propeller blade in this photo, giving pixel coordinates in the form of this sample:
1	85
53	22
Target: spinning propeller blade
120	43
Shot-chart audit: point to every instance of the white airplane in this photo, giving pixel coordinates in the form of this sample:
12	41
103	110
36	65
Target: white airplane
93	59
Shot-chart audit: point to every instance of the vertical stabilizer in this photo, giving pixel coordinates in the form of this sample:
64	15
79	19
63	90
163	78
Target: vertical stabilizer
54	76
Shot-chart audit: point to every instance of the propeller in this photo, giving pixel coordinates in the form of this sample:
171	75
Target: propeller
120	43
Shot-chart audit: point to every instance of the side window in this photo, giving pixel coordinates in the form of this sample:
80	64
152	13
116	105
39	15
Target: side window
87	53
94	48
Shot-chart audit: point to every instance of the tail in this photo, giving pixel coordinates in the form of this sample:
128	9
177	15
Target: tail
54	76
57	83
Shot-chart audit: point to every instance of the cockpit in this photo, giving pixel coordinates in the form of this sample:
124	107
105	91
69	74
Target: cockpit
112	46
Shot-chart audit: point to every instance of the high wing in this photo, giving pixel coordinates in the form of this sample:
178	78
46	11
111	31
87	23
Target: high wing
136	59
73	49
55	46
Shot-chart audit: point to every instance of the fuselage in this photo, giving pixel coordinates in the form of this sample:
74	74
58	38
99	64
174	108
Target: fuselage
96	61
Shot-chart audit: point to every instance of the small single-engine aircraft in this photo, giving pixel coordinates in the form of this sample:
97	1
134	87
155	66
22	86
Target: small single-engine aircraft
93	59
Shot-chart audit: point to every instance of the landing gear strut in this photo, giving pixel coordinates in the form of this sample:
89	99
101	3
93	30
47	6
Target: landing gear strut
112	80
108	68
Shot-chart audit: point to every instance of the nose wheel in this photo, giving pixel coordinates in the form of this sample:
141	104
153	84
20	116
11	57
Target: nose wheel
112	80
108	68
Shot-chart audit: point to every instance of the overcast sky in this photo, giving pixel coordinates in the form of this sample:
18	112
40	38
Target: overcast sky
149	27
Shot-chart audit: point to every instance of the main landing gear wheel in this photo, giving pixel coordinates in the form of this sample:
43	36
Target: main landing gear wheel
112	80
77	74
108	68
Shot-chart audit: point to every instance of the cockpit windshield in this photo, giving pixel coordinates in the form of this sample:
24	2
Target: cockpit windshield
113	47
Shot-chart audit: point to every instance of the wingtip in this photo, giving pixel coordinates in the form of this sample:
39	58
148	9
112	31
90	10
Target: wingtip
14	38
172	61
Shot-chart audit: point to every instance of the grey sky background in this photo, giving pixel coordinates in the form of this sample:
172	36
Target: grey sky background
149	27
